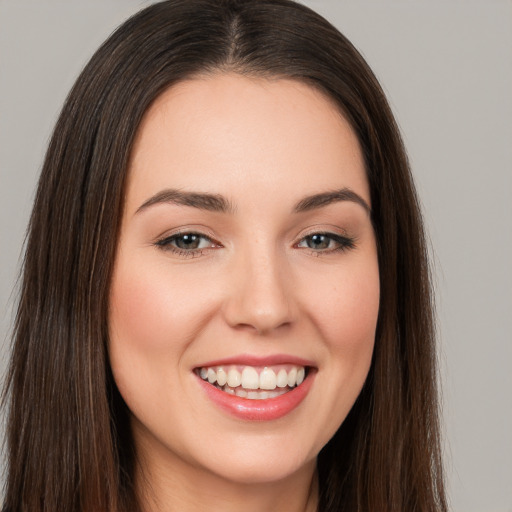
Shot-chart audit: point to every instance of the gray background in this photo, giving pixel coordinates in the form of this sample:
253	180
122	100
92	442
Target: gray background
446	66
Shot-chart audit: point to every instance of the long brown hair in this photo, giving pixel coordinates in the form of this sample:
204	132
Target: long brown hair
69	441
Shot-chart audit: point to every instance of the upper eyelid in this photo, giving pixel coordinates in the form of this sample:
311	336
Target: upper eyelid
177	232
323	230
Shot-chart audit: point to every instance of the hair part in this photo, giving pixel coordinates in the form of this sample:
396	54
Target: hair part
69	439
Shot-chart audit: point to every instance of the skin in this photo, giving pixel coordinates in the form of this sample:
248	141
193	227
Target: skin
255	288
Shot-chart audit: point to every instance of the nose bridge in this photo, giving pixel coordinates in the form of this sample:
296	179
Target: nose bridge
260	296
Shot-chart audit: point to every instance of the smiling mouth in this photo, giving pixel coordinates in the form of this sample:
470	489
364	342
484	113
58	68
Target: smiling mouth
254	383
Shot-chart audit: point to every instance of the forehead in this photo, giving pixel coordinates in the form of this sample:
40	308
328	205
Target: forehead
224	130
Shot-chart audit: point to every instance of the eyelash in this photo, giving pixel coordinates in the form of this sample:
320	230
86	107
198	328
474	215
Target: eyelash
166	244
344	243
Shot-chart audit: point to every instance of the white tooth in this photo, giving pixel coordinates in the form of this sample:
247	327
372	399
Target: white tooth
267	379
204	373
263	395
250	378
292	377
282	378
241	392
222	377
234	378
276	393
212	376
300	376
229	390
253	395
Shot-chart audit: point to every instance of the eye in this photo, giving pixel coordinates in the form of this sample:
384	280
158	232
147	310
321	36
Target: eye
186	243
326	242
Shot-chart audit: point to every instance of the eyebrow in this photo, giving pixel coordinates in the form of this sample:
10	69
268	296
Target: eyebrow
203	201
327	198
218	203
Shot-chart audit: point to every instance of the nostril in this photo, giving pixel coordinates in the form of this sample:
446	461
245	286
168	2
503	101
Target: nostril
245	315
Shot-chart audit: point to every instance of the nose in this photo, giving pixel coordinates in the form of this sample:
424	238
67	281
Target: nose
260	296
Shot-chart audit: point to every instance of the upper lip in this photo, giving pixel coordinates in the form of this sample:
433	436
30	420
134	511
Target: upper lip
253	360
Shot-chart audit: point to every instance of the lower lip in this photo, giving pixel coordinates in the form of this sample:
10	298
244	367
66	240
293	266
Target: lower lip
259	410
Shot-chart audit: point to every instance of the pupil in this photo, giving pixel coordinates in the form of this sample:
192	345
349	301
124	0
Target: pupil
318	242
188	242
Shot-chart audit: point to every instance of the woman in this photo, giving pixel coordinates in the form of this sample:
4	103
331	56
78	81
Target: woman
225	299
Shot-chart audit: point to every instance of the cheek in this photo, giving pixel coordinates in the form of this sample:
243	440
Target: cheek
138	328
347	322
350	306
136	331
153	318
151	322
152	311
344	306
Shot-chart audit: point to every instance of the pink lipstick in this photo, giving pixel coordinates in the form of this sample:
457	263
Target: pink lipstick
257	388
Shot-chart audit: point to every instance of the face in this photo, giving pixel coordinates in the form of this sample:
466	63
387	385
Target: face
245	292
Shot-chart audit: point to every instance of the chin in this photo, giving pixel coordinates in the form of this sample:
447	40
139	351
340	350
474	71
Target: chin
262	471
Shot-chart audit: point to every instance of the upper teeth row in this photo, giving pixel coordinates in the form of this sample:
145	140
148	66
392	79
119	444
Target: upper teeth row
249	378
